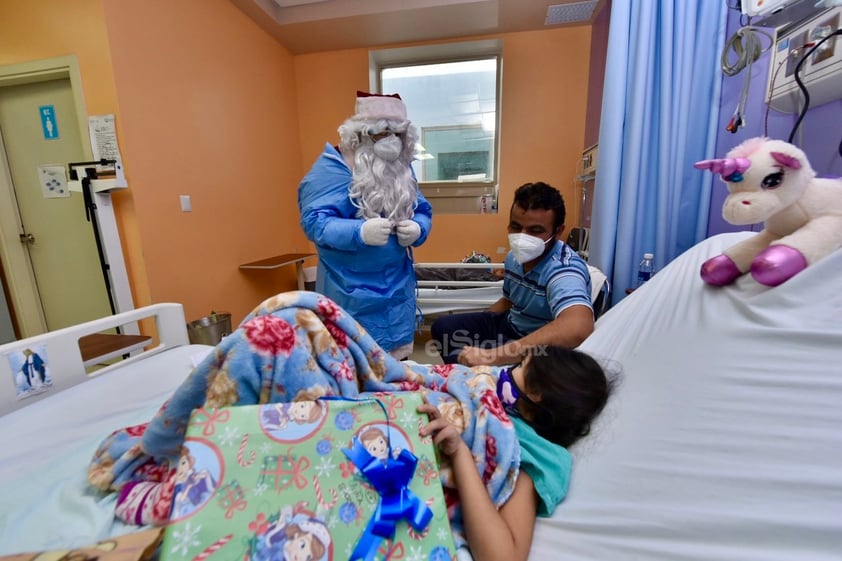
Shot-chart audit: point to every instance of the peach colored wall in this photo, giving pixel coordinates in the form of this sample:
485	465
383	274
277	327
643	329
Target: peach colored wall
209	110
210	106
327	86
50	28
544	97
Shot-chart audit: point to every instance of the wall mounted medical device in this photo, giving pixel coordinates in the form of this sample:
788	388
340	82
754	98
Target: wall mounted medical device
762	7
821	72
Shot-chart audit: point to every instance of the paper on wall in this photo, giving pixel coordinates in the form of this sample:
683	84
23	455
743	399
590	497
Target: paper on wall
104	143
53	180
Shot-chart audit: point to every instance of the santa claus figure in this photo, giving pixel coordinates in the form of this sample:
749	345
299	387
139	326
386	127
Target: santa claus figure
361	206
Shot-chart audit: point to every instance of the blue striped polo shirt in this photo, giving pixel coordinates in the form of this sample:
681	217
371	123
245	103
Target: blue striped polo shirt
558	281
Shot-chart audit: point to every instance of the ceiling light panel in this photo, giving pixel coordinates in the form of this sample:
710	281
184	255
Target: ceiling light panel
570	13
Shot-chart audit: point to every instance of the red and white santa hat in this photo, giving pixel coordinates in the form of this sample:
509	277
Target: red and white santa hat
378	106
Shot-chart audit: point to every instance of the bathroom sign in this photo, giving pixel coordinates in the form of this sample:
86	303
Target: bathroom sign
48	122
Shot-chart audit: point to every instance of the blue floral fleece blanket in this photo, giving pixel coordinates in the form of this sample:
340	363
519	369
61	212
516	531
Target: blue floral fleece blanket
302	346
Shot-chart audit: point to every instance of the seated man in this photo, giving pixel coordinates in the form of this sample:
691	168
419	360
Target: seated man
546	291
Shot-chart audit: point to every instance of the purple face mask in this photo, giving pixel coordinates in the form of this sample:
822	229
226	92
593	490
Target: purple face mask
507	391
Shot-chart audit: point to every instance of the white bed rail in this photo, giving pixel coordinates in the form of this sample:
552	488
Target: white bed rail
65	365
456	283
439	295
459	265
436	296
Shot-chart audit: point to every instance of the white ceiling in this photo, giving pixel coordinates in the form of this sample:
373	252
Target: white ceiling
306	26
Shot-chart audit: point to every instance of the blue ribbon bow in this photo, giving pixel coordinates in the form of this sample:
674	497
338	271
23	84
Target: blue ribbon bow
390	478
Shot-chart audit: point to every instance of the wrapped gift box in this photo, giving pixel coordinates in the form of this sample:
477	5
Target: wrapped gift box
268	482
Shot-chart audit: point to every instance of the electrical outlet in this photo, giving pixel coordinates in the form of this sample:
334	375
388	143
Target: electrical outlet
589	158
796	50
186	204
501	250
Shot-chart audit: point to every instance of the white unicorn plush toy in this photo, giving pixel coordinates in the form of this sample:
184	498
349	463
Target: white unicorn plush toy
771	181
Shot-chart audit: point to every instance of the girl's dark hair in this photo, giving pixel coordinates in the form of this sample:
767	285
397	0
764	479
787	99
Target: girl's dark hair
573	389
542	196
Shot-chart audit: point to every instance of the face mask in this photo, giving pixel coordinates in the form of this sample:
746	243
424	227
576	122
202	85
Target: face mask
507	391
526	247
388	148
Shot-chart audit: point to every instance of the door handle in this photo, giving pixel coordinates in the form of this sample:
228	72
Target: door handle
27	238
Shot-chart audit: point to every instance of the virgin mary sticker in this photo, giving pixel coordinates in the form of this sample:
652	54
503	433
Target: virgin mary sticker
30	371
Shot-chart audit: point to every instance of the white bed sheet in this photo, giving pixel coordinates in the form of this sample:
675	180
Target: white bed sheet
47	447
723	440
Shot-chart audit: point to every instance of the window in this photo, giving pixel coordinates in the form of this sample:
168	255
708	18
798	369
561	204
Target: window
452	97
455	153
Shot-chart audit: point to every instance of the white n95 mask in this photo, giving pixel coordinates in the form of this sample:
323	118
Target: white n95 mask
526	247
388	148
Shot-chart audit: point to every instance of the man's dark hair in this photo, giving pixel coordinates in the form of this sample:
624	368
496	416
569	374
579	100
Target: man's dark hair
573	389
540	195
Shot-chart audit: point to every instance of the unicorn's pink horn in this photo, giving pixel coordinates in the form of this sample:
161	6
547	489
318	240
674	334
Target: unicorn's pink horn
731	169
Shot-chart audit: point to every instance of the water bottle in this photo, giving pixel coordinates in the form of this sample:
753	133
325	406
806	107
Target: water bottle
647	267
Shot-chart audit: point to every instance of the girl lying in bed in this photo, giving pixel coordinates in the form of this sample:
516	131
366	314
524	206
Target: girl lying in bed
551	398
502	431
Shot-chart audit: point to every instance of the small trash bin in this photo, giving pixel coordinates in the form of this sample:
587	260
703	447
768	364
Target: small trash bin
310	278
209	330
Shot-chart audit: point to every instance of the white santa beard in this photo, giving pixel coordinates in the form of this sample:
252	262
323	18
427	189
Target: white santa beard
381	188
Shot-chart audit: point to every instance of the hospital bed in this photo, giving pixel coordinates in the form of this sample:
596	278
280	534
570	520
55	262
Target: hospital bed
456	287
721	440
47	436
462	291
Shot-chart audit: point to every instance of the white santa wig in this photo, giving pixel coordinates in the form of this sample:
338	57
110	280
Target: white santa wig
380	188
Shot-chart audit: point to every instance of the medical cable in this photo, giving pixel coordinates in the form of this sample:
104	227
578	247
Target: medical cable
747	45
771	91
803	88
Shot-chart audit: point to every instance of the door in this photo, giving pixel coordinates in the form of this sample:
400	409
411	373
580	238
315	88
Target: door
7	326
55	233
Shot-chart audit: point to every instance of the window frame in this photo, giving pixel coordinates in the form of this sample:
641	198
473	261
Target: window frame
451	197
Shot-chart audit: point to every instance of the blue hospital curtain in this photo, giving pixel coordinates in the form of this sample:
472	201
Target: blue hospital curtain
659	114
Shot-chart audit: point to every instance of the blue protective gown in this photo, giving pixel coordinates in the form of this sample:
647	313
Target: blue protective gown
375	284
